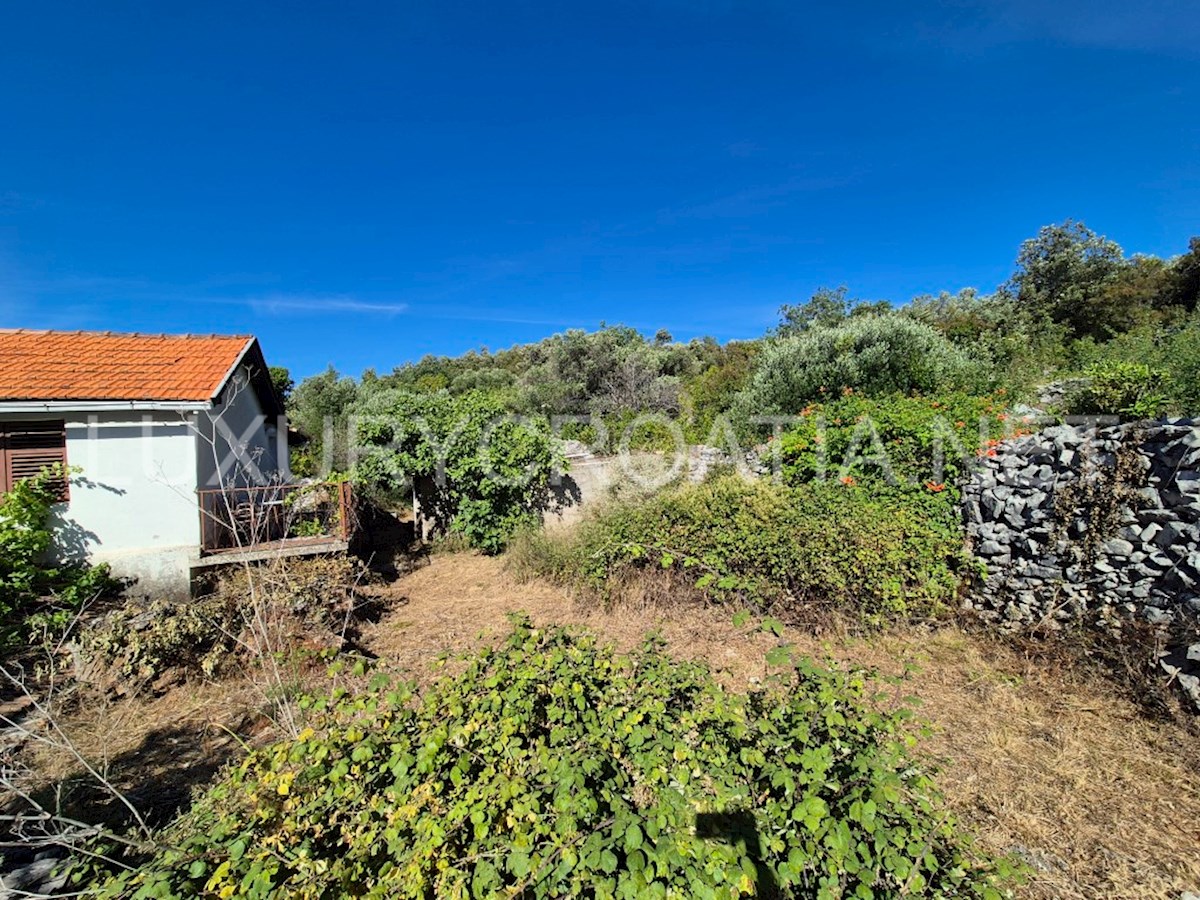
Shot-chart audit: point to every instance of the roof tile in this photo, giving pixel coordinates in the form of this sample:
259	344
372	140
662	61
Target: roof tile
92	365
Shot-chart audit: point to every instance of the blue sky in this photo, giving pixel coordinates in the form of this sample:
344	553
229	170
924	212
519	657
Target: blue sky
362	183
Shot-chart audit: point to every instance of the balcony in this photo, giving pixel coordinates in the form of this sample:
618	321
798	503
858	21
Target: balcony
239	524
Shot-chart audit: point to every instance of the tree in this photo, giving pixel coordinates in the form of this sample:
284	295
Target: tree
320	401
996	330
484	472
824	308
1061	274
634	384
281	380
1138	293
1185	276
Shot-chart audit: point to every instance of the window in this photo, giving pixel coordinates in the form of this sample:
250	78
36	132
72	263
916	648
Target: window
28	447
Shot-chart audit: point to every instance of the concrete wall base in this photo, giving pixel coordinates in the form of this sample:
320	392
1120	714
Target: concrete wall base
159	572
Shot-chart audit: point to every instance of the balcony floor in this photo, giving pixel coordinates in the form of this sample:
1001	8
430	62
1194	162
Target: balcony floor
300	546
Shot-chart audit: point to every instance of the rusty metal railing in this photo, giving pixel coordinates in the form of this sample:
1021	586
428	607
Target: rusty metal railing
242	518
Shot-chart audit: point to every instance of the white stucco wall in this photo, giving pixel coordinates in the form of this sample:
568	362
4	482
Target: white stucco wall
133	505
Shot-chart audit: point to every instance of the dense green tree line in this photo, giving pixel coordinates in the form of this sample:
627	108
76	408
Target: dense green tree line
1074	300
1075	305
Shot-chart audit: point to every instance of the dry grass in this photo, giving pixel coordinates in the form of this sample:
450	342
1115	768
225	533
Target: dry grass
154	750
1047	762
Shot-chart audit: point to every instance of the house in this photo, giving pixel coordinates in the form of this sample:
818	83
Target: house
150	425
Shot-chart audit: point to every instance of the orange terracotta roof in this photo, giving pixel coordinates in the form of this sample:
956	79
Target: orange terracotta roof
103	365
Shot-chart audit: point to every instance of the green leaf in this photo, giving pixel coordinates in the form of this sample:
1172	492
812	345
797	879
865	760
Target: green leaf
772	625
633	837
779	656
518	864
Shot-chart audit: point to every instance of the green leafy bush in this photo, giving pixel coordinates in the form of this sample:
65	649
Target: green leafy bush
37	596
876	555
875	355
1127	389
485	472
1019	347
1183	366
553	768
921	442
1172	349
318	407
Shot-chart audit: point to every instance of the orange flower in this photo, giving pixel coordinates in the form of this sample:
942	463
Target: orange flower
991	453
1002	417
935	486
848	480
960	424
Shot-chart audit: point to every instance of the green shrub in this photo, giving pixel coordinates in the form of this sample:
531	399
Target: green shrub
712	393
1129	389
552	768
1172	349
875	355
922	442
1183	367
1019	348
880	554
36	596
489	471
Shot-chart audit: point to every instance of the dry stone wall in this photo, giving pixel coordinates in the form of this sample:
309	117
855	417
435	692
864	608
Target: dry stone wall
1082	523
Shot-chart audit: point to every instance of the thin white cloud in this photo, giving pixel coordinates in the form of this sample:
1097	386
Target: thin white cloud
289	303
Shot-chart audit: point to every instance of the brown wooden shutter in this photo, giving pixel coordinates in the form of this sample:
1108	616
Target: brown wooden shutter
29	447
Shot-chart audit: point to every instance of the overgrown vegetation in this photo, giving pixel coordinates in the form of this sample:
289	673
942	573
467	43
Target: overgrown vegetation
240	615
481	473
1074	301
919	442
802	552
38	597
875	354
1129	389
553	768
